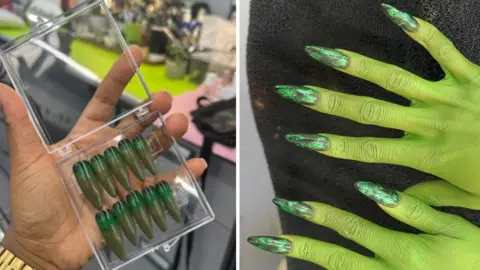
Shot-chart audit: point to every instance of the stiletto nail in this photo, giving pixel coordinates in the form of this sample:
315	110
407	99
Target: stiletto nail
400	18
155	207
111	232
300	94
143	151
275	245
104	174
166	195
118	166
380	194
299	209
131	157
329	57
87	180
310	141
125	219
137	206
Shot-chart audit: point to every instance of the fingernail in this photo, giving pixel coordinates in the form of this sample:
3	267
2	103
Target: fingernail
300	94
131	157
275	245
204	163
88	183
143	151
125	219
104	174
137	207
111	232
400	18
166	195
299	209
380	194
329	57
155	207
309	141
118	166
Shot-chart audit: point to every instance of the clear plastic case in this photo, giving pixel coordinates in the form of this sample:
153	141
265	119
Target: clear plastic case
136	134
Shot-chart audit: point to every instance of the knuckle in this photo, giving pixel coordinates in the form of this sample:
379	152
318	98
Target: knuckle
431	159
336	259
370	151
353	228
362	67
339	147
334	103
396	79
370	112
415	211
445	50
430	35
307	252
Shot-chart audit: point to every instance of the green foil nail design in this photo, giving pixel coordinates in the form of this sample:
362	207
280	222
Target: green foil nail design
275	245
299	209
329	57
143	151
111	232
400	18
166	195
137	207
131	157
310	141
300	94
87	180
125	219
104	174
118	166
155	207
382	195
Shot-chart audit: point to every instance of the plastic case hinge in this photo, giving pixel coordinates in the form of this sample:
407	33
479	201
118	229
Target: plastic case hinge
142	113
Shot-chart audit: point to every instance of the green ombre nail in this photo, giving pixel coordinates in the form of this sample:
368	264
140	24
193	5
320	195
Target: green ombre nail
300	94
137	207
88	182
143	151
125	218
166	195
131	157
118	166
104	174
155	207
111	232
329	57
400	18
275	245
380	194
299	209
310	141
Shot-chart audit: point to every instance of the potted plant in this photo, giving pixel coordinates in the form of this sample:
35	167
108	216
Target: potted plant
176	64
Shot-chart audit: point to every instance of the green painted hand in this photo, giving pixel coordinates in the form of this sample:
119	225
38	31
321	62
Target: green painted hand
449	241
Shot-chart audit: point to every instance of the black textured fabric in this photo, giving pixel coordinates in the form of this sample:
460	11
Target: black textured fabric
279	30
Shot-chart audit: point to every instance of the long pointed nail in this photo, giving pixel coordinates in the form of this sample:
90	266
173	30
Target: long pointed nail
137	206
111	232
118	166
275	245
300	94
168	199
125	219
309	141
143	151
380	194
131	157
155	207
329	57
88	183
104	174
400	18
299	209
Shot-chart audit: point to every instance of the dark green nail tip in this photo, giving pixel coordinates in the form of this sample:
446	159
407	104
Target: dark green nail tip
400	18
309	141
155	207
300	94
380	194
88	182
104	174
275	245
299	209
166	195
141	147
118	166
139	211
329	57
125	218
111	232
131	158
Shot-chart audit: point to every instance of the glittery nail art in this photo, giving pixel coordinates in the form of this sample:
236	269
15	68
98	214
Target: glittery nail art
141	146
118	166
166	195
155	207
329	57
88	182
275	245
139	210
400	18
310	141
299	209
111	232
125	219
104	174
131	158
300	94
382	195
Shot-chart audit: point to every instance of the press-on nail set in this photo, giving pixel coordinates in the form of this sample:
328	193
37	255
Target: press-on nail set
125	177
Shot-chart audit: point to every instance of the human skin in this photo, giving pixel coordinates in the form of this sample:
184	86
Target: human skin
44	230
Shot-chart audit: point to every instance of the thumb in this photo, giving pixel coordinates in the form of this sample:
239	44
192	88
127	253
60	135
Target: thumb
442	193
